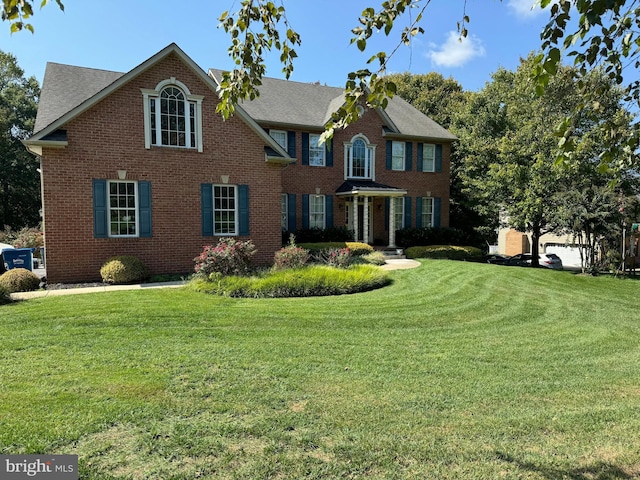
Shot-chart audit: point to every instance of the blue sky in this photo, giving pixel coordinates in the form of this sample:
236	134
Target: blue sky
118	35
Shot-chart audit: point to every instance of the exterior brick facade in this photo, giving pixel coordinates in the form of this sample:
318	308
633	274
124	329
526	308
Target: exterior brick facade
109	137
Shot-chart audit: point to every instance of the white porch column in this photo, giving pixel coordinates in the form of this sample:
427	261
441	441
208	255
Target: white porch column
392	222
355	218
365	221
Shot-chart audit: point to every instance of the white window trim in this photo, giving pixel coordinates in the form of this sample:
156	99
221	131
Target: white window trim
423	213
236	210
137	208
284	136
284	211
348	164
433	163
402	167
313	212
147	94
399	201
317	146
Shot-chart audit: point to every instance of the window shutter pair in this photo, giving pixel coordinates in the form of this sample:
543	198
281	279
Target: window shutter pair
328	151
438	158
206	200
328	211
437	206
408	156
101	209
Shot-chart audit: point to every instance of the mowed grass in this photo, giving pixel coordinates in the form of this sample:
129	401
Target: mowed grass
455	371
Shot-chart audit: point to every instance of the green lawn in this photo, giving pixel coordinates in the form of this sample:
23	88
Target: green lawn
455	371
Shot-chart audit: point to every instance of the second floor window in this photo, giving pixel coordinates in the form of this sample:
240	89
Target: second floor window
173	117
397	156
360	157
316	151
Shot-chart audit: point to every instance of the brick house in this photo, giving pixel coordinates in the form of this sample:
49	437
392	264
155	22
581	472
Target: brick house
139	163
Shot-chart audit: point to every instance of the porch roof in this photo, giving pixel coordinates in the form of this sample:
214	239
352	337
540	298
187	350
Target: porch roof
369	187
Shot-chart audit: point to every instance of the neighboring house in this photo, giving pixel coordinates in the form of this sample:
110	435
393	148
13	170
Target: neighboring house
512	242
139	163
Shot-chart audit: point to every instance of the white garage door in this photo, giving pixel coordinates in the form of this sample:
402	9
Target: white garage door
569	254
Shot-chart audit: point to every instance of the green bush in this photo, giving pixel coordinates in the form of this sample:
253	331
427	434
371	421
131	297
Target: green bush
445	252
19	280
123	269
374	258
318	280
4	296
315	234
356	248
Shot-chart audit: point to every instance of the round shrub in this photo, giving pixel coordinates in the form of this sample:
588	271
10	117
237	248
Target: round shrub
228	257
290	256
374	258
123	269
4	296
448	252
19	280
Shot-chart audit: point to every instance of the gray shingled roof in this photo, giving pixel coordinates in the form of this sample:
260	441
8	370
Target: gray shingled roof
284	102
64	87
281	102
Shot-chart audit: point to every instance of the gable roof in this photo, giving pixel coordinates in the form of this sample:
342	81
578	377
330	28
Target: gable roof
69	91
310	105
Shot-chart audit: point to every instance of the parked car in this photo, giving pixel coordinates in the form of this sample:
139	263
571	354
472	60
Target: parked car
520	260
550	260
497	259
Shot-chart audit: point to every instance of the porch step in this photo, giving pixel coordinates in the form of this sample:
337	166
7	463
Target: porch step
393	253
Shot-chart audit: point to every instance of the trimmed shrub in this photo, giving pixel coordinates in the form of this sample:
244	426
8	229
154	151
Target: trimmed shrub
315	235
374	258
4	296
123	269
412	237
334	257
445	252
311	281
290	256
356	248
19	280
228	257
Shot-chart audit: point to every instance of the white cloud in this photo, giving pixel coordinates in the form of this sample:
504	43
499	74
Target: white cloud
525	8
455	52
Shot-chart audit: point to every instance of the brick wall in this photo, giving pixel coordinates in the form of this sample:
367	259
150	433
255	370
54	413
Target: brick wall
110	137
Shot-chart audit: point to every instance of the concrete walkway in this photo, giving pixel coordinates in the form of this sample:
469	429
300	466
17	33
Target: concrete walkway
399	264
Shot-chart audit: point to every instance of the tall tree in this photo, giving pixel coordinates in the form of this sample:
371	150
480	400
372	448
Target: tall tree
508	134
19	177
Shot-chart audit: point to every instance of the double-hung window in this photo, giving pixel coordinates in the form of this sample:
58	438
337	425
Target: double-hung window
280	136
284	211
398	212
123	201
316	211
316	151
428	157
427	212
173	117
397	155
225	218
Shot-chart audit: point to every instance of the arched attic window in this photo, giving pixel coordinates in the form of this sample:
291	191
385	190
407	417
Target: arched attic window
173	116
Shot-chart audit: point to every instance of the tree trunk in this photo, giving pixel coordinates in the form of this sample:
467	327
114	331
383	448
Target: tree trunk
535	246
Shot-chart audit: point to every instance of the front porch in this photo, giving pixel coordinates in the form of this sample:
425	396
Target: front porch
363	200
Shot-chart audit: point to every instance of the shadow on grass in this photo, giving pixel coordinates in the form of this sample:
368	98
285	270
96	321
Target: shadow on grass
597	471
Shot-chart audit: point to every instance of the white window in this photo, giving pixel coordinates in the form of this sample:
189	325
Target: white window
284	209
397	156
360	163
225	216
398	212
173	117
123	202
427	212
428	157
280	136
316	151
316	211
